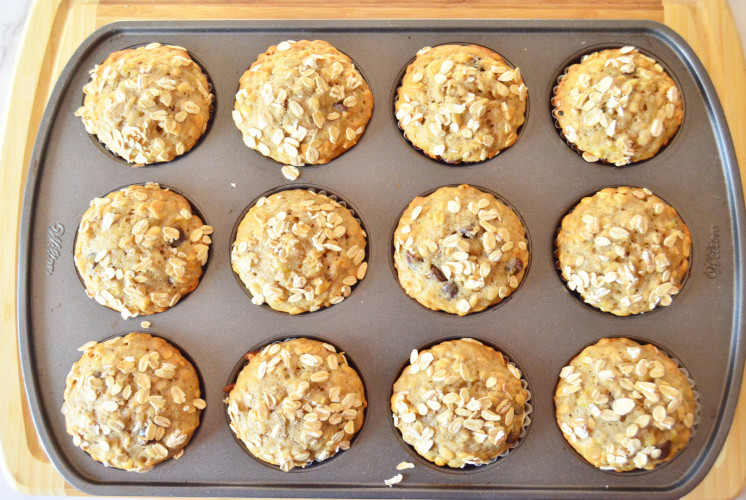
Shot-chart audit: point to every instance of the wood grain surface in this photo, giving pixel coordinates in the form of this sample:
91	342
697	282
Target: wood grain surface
56	27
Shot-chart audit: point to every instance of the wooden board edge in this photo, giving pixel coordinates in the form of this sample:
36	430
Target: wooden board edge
29	470
708	26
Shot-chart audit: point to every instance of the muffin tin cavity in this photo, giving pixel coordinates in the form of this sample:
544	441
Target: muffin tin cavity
302	102
128	397
204	237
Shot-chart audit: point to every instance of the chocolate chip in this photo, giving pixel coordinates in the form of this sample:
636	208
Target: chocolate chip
340	107
412	258
468	232
450	289
514	266
436	273
178	241
561	113
512	437
665	450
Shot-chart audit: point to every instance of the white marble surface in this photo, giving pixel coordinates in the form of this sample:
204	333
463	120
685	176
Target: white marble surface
14	15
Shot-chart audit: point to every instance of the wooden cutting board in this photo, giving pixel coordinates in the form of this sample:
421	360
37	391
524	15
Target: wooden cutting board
56	27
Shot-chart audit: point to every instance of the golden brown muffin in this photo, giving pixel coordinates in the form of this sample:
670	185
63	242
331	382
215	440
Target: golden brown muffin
302	103
459	250
148	104
296	402
461	103
624	406
459	402
624	250
139	250
132	402
617	105
299	251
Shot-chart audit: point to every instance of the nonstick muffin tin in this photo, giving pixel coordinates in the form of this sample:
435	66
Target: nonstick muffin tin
540	328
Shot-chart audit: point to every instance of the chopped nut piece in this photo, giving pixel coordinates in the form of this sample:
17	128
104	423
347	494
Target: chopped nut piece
394	480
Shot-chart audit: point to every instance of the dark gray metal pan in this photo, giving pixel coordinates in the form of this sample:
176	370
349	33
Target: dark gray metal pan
541	327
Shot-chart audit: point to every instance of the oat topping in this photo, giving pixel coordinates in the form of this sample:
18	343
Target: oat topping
290	172
304	103
296	402
618	105
624	250
459	403
140	249
460	250
148	104
299	251
126	401
461	103
394	480
624	406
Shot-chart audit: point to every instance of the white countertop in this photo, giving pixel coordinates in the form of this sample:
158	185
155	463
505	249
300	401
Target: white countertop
15	13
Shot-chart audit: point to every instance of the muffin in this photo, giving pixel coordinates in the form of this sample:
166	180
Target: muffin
459	250
299	251
624	250
147	105
296	402
132	402
459	403
461	103
141	249
302	103
618	106
624	406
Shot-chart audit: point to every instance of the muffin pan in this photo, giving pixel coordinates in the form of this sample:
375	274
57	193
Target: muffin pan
542	325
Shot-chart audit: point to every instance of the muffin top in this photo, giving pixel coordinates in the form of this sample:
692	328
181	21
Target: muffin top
459	250
459	403
461	103
132	402
298	251
296	402
148	104
302	103
624	406
140	249
624	250
617	105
